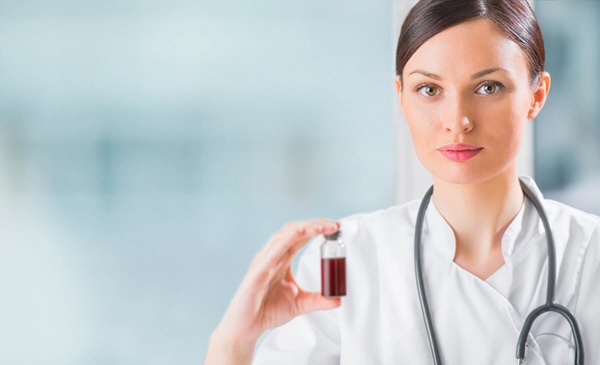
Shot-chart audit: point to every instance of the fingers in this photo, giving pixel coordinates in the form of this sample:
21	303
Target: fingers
271	263
312	301
295	235
307	302
304	231
310	232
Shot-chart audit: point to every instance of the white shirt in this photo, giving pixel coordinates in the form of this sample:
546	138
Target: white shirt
476	321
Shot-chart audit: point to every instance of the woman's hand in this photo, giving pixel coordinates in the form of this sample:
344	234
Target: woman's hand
268	295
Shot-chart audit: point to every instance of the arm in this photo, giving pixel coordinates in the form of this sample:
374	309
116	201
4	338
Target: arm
223	350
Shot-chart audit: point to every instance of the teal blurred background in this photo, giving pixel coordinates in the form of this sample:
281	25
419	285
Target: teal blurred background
148	149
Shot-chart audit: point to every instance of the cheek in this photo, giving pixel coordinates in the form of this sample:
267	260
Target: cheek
421	129
420	118
507	123
424	130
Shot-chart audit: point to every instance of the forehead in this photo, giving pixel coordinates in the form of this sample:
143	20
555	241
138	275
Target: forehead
467	48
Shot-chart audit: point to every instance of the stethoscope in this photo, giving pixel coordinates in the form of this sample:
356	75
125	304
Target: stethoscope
549	306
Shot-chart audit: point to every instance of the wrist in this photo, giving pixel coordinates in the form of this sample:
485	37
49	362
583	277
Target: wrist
233	344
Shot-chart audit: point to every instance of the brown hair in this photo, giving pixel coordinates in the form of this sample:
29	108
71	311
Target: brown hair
514	18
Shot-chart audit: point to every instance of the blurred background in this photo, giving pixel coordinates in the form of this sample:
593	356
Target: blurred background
148	149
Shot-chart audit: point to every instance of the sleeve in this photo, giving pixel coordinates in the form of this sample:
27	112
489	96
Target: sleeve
313	338
588	302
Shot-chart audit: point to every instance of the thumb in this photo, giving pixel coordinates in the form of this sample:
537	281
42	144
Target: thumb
314	301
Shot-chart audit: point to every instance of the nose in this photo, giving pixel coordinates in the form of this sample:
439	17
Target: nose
458	118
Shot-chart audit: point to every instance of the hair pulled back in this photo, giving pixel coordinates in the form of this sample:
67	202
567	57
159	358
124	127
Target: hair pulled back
514	18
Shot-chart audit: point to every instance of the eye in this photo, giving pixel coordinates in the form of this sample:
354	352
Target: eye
428	90
489	88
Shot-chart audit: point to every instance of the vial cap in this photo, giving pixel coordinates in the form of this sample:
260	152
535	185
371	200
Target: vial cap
333	236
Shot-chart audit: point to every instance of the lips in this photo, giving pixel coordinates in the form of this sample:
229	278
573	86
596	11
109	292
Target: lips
459	151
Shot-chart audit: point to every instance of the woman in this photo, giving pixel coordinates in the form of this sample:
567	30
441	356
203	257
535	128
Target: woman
470	75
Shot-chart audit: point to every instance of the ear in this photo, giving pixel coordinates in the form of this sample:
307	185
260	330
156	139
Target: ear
399	92
540	92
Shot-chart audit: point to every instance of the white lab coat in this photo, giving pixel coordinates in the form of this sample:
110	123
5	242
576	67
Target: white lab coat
476	321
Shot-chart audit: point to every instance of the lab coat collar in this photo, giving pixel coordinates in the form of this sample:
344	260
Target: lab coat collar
519	232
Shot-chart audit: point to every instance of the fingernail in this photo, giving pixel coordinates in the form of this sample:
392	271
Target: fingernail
320	229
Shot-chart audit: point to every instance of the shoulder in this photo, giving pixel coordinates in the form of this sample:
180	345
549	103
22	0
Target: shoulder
379	232
570	218
562	215
399	215
576	233
367	236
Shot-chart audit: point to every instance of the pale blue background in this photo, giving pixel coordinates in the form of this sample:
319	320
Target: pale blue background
148	149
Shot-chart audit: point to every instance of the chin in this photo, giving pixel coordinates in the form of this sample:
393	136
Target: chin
462	173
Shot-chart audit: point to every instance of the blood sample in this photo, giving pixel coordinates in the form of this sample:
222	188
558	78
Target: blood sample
333	266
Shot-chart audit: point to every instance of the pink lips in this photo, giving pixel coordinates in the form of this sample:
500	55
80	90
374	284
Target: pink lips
459	151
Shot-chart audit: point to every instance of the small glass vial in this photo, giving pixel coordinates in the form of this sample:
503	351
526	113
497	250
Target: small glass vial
333	266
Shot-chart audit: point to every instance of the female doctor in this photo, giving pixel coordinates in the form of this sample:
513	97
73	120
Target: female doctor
470	75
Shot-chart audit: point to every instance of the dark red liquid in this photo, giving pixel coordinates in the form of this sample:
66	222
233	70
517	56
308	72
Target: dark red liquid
333	277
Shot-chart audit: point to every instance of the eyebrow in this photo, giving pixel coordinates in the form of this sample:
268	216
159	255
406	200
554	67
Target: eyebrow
473	77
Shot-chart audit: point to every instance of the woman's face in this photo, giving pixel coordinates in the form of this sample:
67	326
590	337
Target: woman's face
467	96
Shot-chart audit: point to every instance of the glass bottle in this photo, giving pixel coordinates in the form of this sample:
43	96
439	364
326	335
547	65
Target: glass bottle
333	266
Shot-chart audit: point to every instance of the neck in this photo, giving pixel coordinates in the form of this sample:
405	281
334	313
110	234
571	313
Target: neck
480	213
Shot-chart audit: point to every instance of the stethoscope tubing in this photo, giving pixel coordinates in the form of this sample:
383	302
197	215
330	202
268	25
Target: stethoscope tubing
419	276
549	306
